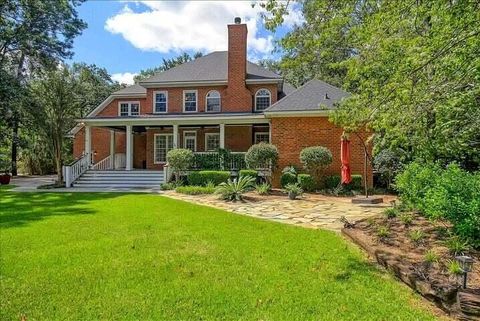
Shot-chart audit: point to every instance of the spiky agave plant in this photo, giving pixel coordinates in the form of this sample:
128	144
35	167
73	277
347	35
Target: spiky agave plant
234	190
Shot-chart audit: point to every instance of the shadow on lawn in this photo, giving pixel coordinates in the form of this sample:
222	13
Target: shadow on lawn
18	209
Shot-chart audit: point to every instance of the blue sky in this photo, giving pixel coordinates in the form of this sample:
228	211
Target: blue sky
127	36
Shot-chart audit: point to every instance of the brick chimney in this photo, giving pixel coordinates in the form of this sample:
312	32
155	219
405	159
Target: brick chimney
238	96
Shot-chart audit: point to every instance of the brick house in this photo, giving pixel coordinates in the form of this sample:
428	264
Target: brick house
220	100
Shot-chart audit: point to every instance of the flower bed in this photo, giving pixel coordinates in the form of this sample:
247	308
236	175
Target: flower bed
416	251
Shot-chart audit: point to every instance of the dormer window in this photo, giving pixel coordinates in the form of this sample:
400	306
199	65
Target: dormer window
189	101
262	99
129	109
213	101
160	102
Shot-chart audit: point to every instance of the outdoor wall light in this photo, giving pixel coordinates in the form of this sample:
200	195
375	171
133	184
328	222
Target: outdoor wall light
466	263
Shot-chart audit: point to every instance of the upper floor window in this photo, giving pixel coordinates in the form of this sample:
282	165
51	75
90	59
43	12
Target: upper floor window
129	109
189	100
160	101
262	99
213	101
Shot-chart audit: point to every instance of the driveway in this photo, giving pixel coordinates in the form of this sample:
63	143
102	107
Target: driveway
311	211
30	183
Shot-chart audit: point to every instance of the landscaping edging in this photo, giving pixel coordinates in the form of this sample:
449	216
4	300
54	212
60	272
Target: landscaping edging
463	304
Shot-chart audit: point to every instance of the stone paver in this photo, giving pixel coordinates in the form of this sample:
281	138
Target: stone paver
312	210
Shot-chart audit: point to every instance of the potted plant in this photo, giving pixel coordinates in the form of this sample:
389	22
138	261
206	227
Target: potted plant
293	190
5	176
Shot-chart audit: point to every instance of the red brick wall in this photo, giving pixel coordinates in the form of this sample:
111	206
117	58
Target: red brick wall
100	143
292	134
112	110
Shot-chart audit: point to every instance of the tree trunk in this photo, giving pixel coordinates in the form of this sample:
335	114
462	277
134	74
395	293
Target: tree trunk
14	147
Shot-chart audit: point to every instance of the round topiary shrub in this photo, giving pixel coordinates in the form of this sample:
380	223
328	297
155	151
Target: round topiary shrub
180	160
315	159
262	155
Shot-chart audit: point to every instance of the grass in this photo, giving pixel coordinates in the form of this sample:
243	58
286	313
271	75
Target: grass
109	256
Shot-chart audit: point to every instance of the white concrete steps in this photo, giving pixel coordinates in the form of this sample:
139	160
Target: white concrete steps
120	179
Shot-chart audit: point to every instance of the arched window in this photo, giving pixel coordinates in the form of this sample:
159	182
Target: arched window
213	101
262	99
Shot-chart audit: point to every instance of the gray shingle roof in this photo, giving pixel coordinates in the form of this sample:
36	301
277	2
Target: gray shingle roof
211	67
131	90
314	95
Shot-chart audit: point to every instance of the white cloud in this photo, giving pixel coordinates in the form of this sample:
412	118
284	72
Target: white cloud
176	26
124	78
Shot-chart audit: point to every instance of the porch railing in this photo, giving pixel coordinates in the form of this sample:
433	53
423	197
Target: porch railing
232	161
104	164
75	170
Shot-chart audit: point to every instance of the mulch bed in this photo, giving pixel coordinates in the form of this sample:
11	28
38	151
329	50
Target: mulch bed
405	258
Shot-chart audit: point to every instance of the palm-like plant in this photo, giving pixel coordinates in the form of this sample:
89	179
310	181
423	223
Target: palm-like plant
234	190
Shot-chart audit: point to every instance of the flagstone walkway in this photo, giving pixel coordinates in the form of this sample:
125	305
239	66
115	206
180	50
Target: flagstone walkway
311	211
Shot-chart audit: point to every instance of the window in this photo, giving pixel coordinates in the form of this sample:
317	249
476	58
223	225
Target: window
162	144
160	101
212	142
213	101
262	99
129	109
262	137
189	100
190	140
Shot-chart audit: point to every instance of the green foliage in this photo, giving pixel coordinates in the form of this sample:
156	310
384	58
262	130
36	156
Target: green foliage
290	169
456	246
234	190
391	212
169	186
454	267
287	178
387	163
180	160
406	219
431	257
248	172
293	189
449	193
417	236
315	159
195	190
356	183
263	189
222	159
201	178
262	155
306	182
332	181
383	232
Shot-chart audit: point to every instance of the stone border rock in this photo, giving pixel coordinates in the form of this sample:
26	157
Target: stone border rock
463	304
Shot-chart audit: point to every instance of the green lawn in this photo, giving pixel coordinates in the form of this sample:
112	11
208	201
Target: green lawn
88	256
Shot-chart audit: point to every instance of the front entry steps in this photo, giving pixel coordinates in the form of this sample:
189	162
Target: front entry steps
118	179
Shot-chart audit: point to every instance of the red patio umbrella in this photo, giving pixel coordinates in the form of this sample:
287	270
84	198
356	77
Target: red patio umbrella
345	158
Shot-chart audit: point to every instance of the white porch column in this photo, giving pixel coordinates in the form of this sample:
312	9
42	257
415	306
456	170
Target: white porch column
112	149
222	135
129	145
88	142
175	136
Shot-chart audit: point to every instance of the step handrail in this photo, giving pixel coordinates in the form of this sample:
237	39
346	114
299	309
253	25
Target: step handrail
75	170
104	164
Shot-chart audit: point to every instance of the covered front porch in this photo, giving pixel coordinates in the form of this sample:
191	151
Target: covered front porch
144	144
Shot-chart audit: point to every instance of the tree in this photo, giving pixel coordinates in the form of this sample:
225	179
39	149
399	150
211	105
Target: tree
34	34
167	64
413	68
55	108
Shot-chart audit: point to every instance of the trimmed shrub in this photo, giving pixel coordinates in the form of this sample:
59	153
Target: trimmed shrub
248	172
262	155
287	178
202	178
356	183
449	193
332	181
306	181
195	190
315	159
180	160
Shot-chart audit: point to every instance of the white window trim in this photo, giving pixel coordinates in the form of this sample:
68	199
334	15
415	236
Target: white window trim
206	140
185	138
196	100
206	102
155	146
261	133
129	107
155	100
256	95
